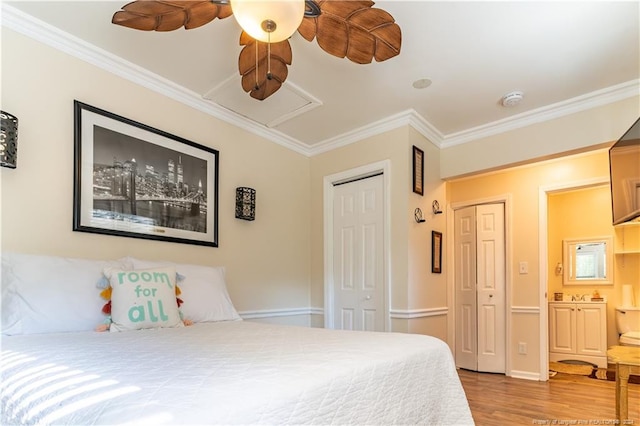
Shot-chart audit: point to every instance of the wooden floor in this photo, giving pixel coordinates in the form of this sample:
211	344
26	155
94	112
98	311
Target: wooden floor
568	399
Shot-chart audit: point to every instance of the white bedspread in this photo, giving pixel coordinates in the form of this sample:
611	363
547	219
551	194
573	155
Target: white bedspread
230	373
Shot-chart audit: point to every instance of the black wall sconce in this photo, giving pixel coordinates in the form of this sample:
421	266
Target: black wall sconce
245	203
417	214
8	140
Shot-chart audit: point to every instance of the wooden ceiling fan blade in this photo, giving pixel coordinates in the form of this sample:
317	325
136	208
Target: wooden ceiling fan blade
157	15
361	47
249	82
344	8
279	72
333	35
308	28
384	50
279	51
355	30
260	91
205	12
255	81
134	21
266	90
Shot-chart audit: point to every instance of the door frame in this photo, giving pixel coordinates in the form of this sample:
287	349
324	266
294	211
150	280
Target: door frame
543	231
451	208
329	181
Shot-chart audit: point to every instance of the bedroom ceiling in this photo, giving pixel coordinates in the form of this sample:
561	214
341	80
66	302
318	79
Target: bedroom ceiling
563	56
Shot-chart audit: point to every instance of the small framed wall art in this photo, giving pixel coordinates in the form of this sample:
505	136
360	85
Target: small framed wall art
418	170
436	252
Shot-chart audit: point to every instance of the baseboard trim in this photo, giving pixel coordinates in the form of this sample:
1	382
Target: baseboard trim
418	313
271	313
527	375
525	310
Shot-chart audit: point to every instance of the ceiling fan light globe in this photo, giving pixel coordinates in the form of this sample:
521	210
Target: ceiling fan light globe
287	15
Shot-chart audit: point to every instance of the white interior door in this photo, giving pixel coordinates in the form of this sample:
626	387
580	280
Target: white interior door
358	263
491	287
465	294
480	288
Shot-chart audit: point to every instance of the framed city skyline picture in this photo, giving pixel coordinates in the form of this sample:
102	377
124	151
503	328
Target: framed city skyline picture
133	180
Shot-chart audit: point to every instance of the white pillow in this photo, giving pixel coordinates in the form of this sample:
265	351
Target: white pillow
204	291
143	298
49	294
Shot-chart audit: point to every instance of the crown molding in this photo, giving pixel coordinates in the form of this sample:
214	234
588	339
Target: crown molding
36	29
405	118
45	33
584	102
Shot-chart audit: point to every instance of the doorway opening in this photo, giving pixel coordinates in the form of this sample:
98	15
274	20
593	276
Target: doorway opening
543	226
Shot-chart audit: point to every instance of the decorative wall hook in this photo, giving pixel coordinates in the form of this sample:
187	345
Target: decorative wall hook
436	207
418	215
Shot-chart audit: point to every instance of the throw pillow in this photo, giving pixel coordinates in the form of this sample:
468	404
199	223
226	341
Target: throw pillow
143	298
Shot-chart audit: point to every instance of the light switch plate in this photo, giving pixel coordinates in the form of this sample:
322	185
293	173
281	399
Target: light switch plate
524	267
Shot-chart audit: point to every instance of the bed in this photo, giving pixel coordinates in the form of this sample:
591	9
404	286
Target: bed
227	372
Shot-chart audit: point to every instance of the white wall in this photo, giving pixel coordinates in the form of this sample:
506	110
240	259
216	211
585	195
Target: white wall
267	260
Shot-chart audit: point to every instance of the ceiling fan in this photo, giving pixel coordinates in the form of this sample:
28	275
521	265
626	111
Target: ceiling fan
343	28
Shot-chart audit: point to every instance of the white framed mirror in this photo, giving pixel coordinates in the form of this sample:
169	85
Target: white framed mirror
587	261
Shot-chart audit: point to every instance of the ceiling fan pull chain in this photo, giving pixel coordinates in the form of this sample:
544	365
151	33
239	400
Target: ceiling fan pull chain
269	76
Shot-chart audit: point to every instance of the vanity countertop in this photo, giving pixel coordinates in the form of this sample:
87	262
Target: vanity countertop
587	300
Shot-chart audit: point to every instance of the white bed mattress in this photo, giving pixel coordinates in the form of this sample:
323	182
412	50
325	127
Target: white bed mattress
234	372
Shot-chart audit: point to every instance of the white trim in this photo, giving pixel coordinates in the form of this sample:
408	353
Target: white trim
584	102
271	313
527	375
406	118
418	313
328	193
543	192
525	309
36	29
505	199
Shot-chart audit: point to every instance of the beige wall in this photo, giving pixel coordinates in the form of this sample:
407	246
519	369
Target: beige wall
581	131
523	185
392	146
267	260
414	289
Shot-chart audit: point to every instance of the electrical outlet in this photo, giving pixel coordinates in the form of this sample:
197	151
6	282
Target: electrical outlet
522	348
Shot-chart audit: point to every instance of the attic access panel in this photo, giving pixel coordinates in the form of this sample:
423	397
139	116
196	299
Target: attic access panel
289	102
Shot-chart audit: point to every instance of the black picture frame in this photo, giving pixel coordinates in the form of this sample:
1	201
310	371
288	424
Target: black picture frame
133	180
436	252
418	170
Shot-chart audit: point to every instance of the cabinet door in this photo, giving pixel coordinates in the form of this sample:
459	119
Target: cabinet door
562	324
591	329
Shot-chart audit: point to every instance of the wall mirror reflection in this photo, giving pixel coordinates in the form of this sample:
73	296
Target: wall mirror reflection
588	261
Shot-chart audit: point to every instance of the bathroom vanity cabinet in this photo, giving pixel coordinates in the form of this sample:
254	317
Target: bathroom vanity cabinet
578	331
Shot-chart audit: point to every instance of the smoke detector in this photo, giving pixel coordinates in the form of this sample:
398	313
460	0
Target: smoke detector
512	99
